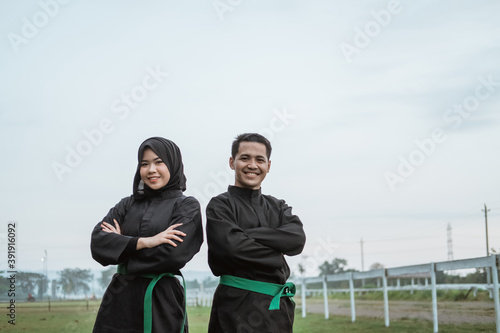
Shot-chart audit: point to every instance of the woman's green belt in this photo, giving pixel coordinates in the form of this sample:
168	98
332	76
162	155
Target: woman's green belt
148	296
267	288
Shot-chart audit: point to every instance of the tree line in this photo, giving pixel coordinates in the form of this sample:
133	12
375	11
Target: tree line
70	281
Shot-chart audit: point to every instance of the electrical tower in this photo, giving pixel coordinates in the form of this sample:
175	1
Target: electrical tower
450	243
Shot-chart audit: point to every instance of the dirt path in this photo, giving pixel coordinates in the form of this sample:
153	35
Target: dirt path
448	312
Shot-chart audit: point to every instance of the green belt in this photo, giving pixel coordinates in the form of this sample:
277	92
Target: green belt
267	288
148	296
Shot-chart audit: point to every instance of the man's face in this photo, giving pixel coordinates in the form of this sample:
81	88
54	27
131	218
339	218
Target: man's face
250	165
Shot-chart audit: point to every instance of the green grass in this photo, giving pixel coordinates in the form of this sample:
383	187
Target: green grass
315	323
65	316
198	319
79	316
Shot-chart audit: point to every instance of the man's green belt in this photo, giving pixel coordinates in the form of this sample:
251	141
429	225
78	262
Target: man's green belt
148	296
267	288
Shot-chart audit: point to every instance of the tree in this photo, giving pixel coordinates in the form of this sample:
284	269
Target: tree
209	282
336	266
192	284
106	276
339	264
4	284
75	280
27	282
326	268
301	270
376	265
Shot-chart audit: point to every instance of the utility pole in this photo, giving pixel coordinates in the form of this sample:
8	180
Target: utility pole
486	210
450	245
488	273
45	279
362	257
362	262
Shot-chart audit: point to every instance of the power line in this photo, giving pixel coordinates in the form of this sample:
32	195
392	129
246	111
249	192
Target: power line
408	251
402	239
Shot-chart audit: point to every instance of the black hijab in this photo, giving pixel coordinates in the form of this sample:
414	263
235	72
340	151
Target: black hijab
170	154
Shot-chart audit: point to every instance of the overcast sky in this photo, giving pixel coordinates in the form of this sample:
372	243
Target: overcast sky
383	117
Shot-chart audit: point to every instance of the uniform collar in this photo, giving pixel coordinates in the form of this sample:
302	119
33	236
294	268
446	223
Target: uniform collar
168	194
157	195
244	192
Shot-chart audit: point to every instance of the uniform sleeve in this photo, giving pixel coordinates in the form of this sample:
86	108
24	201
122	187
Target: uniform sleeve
165	257
106	248
289	238
229	243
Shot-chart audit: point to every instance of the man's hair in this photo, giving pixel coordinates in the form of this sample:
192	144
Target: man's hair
250	137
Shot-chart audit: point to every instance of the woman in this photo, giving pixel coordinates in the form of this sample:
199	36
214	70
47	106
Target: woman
151	235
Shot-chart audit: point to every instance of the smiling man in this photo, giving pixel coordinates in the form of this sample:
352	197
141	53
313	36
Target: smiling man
248	235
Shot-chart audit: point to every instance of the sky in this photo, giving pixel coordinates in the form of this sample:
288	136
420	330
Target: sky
381	115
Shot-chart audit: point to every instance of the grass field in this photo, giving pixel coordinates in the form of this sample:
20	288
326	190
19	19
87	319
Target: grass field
79	316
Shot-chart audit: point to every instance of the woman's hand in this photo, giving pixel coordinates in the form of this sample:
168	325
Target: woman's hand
165	237
106	227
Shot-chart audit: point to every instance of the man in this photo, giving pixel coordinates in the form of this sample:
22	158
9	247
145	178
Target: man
248	235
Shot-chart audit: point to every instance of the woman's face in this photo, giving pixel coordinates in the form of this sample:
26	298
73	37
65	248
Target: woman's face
154	172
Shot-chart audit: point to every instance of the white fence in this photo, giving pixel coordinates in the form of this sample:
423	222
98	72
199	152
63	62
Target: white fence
200	297
490	263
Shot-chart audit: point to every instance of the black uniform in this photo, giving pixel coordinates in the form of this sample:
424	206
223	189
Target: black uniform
144	214
248	234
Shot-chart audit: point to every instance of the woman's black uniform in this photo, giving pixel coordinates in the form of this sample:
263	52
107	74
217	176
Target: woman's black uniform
144	214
